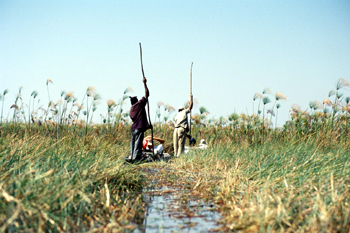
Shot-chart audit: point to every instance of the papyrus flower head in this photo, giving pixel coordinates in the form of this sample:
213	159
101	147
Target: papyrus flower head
279	96
266	90
91	91
257	96
128	90
295	108
327	102
159	104
271	112
111	103
342	83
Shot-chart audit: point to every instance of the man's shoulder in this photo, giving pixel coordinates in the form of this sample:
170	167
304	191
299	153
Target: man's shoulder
143	100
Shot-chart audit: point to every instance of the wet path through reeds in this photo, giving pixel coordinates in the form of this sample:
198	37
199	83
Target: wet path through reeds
175	209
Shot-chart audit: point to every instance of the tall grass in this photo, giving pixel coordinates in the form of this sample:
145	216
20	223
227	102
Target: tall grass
293	183
290	187
59	172
73	184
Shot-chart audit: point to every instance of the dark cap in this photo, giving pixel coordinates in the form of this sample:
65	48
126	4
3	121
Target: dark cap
192	142
133	99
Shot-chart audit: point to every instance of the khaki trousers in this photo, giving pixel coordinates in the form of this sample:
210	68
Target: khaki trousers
179	140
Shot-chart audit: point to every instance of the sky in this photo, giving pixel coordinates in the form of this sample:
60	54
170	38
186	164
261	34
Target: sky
299	48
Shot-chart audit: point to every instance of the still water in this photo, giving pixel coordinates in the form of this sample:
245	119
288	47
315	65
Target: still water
175	210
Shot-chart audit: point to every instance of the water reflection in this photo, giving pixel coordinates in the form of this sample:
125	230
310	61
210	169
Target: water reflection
175	210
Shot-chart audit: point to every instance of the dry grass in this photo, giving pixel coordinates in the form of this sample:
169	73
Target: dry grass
73	184
282	188
63	178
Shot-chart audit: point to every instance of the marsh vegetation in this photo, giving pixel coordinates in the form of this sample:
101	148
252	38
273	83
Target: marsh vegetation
61	172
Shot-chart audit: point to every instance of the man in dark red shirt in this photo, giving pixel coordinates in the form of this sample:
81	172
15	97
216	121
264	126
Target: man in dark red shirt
140	124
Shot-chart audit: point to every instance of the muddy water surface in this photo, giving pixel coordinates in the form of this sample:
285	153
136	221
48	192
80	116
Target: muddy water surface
175	209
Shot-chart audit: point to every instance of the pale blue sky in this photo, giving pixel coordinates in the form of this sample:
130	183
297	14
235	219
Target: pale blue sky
299	48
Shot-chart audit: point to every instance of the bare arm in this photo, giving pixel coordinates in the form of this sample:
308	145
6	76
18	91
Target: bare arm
160	140
144	80
191	103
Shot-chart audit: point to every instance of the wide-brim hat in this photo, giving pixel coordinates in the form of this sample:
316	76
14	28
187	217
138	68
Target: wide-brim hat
180	108
203	142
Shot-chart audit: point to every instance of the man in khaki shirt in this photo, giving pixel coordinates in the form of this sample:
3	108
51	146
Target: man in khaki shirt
181	128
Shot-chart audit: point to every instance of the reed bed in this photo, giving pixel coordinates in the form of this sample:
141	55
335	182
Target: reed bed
61	172
270	188
71	184
77	181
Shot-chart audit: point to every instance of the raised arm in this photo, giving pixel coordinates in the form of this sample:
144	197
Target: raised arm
144	80
191	102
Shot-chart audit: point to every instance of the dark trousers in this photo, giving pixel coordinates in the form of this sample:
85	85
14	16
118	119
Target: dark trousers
136	144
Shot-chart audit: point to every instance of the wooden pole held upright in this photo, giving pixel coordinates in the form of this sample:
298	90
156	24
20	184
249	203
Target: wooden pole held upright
191	94
149	117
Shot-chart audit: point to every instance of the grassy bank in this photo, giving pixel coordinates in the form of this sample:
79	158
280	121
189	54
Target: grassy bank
68	184
67	178
296	185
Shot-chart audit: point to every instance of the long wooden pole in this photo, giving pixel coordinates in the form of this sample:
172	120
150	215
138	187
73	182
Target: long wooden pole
191	94
149	117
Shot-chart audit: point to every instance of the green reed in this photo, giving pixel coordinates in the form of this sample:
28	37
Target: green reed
295	186
62	185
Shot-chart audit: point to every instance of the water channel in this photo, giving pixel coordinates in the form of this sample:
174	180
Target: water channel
174	209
